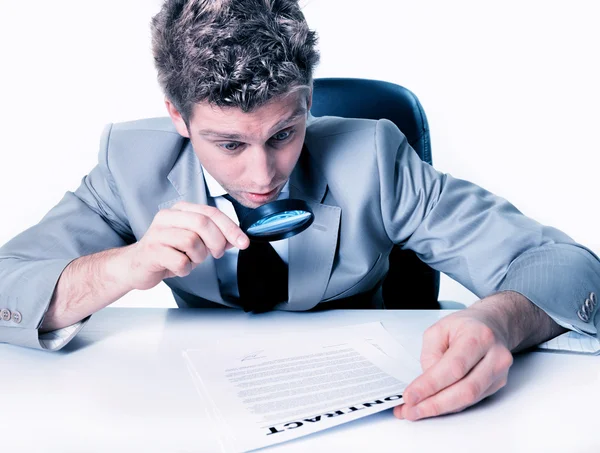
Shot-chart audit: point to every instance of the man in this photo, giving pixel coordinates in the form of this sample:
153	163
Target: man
161	205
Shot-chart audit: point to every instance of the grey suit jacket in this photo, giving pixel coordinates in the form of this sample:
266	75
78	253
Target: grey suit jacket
368	189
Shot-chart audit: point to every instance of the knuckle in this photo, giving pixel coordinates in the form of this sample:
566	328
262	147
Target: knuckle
487	336
201	222
417	387
427	388
473	343
202	254
502	382
505	360
471	392
458	368
189	240
181	263
432	409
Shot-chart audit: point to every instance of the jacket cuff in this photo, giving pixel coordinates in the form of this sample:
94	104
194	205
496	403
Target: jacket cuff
32	285
561	279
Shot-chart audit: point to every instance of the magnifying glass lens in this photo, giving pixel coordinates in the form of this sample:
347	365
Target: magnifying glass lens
277	220
279	223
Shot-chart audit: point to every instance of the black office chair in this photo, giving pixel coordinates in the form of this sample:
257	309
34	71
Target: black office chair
410	283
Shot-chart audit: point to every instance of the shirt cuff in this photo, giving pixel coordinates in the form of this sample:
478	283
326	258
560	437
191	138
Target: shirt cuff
56	339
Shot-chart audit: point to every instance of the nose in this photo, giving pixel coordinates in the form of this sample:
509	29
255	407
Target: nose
260	169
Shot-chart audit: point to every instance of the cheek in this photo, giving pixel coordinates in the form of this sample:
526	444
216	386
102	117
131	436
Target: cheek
290	157
290	162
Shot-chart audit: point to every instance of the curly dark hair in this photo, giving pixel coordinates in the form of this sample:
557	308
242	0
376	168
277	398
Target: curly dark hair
231	53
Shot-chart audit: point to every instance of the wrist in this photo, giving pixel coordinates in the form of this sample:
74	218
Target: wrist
117	268
87	284
495	311
520	323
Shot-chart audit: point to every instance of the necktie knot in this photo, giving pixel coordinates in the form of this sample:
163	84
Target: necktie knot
241	210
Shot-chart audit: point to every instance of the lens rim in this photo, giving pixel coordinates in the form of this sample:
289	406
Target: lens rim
275	207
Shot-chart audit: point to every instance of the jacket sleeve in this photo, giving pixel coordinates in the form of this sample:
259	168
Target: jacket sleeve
86	221
481	240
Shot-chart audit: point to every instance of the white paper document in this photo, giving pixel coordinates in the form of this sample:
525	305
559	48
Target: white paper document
264	390
572	342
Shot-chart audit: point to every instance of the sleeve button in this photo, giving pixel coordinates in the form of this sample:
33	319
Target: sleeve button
583	316
5	314
16	317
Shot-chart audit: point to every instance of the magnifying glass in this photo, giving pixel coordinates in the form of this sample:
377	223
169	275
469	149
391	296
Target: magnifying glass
277	220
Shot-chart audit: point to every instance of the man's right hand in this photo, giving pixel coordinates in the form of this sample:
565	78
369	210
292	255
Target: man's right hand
178	240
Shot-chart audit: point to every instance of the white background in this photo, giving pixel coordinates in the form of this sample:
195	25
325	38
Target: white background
510	89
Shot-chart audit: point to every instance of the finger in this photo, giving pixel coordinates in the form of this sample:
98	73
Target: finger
208	232
435	345
175	262
399	411
202	225
464	353
185	215
497	385
485	378
232	232
184	241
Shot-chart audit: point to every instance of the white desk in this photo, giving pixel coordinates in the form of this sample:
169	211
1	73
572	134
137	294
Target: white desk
122	385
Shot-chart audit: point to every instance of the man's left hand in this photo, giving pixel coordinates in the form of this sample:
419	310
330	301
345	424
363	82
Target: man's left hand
465	358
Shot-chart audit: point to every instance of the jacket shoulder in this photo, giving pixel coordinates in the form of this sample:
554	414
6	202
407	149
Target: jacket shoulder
141	148
326	126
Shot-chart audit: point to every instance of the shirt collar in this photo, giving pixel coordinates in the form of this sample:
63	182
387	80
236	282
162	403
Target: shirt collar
216	190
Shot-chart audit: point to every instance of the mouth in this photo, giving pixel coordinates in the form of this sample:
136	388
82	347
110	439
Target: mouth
261	197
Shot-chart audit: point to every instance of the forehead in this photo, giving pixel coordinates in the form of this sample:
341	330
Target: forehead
231	122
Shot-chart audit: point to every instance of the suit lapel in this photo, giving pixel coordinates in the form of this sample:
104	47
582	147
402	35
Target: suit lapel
188	180
311	253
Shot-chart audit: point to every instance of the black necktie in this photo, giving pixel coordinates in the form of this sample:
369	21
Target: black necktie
262	275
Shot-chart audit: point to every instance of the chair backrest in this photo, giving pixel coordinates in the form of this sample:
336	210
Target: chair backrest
410	283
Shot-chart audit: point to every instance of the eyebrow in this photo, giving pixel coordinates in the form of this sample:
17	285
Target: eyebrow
300	111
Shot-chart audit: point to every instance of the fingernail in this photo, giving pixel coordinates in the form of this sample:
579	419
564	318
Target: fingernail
398	412
242	240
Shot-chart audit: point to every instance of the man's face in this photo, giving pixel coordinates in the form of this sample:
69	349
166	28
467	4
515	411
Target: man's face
250	154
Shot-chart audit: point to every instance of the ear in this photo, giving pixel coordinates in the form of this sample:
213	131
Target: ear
177	119
309	101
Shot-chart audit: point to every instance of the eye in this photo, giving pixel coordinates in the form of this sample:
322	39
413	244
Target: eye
231	146
281	136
